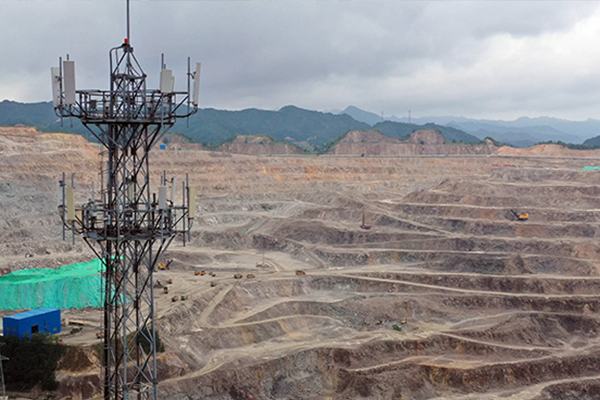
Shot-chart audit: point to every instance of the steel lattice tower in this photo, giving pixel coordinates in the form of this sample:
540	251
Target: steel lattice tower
128	227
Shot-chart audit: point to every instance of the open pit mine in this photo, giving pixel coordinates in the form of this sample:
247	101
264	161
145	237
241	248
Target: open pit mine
456	276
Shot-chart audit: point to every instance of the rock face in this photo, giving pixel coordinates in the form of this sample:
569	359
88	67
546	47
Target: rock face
362	143
176	142
427	142
427	137
242	144
432	142
256	145
368	137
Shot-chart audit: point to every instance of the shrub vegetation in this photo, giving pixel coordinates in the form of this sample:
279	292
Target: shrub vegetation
32	361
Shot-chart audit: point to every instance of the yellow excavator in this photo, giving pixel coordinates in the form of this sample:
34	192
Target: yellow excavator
520	216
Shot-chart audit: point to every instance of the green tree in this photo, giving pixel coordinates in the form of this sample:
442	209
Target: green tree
31	361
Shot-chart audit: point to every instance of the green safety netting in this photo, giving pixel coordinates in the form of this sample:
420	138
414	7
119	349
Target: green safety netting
70	286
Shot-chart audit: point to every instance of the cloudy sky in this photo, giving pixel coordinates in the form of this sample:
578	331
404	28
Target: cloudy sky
480	59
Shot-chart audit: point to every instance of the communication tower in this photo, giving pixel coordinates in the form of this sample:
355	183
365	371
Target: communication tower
128	226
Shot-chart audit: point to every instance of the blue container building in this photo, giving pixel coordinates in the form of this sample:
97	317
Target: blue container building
45	320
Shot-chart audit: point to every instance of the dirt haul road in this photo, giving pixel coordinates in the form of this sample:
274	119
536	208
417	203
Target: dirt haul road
494	307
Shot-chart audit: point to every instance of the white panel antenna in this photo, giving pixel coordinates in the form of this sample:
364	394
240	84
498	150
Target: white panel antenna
69	82
172	84
196	95
166	81
70	204
162	197
55	72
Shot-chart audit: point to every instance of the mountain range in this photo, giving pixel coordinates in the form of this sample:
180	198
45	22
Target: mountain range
313	130
522	132
308	129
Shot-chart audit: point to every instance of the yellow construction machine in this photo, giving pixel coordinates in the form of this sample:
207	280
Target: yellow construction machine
520	216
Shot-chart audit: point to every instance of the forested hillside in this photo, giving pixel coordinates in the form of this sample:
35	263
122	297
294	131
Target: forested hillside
310	129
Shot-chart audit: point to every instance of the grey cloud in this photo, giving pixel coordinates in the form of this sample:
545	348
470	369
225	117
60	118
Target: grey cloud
437	56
